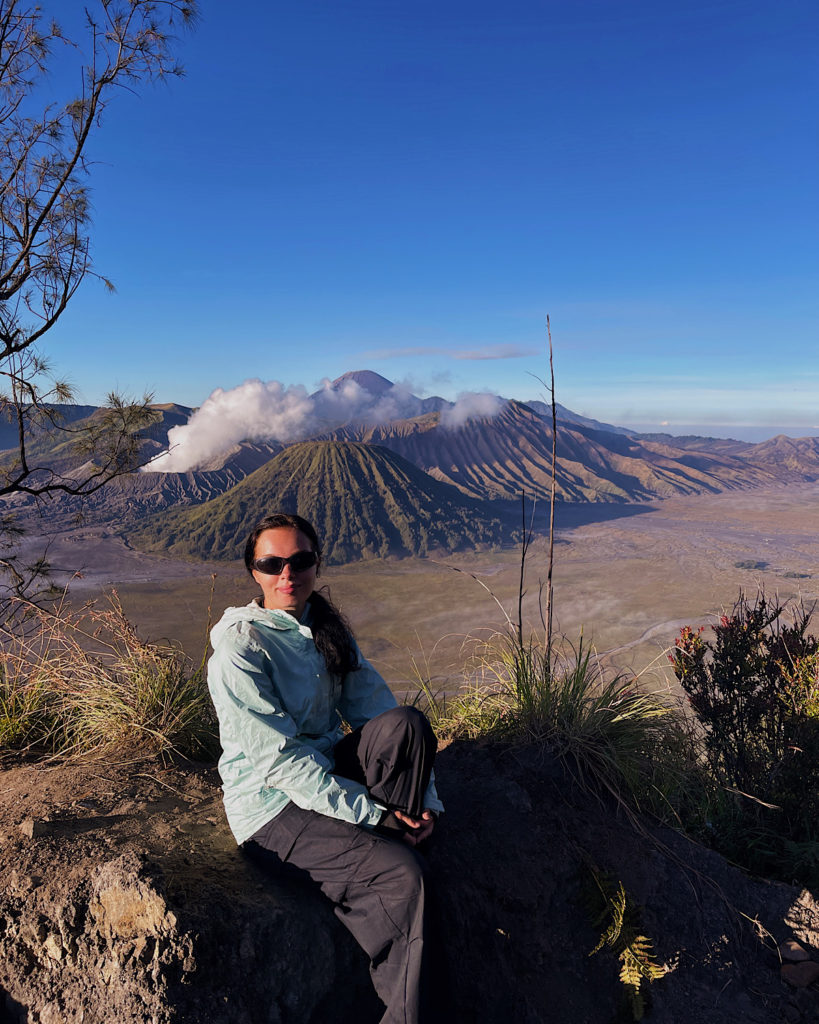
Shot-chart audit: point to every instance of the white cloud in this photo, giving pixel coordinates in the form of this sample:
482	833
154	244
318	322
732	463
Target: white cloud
471	406
497	352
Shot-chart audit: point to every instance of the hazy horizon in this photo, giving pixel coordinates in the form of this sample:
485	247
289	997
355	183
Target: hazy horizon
744	432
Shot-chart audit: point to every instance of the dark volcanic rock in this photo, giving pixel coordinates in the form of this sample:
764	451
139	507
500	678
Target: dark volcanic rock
500	456
132	904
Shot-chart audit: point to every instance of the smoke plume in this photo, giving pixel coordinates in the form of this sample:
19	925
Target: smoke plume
270	411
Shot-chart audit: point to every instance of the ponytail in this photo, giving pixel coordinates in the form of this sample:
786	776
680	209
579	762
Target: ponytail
333	637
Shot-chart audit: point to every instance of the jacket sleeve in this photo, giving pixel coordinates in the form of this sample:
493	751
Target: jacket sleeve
365	695
248	708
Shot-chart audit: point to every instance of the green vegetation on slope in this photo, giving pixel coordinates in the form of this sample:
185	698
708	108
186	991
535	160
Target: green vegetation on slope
365	501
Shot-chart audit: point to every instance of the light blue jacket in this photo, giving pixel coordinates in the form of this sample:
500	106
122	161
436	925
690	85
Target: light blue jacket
279	719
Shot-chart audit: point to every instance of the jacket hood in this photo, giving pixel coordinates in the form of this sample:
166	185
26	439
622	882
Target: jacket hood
253	612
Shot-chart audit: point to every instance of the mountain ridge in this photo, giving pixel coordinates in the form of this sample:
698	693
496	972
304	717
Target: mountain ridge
498	457
484	460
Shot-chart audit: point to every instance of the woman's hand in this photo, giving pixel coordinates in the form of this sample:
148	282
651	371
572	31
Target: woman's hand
421	827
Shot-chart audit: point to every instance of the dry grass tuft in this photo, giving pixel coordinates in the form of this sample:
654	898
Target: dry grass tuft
84	683
610	733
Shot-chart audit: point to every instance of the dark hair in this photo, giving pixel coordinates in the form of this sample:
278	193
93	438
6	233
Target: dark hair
331	631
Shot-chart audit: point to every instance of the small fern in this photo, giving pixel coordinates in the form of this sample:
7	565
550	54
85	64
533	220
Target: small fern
610	908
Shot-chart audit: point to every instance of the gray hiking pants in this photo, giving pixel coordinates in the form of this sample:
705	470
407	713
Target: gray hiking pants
378	885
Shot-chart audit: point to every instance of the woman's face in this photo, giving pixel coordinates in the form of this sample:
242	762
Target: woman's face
289	591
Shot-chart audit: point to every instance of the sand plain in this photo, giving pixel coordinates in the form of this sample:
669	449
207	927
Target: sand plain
626	576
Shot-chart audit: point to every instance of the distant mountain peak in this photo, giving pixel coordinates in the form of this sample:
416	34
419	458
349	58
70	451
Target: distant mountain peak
371	381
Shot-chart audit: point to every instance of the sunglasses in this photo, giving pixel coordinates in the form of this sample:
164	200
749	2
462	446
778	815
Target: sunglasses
272	565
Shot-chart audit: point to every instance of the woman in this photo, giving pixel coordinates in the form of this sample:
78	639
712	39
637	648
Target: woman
348	810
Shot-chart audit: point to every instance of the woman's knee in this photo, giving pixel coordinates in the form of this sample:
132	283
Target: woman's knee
407	719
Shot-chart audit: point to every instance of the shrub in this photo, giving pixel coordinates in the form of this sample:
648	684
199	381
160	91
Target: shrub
754	688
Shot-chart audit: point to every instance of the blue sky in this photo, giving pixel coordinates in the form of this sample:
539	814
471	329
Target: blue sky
411	187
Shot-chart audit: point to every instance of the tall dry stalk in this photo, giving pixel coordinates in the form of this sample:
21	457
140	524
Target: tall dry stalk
548	616
526	540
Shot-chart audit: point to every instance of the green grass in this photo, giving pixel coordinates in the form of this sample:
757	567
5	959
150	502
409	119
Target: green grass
24	710
645	750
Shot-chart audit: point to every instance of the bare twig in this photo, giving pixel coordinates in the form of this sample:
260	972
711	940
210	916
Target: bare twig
481	583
